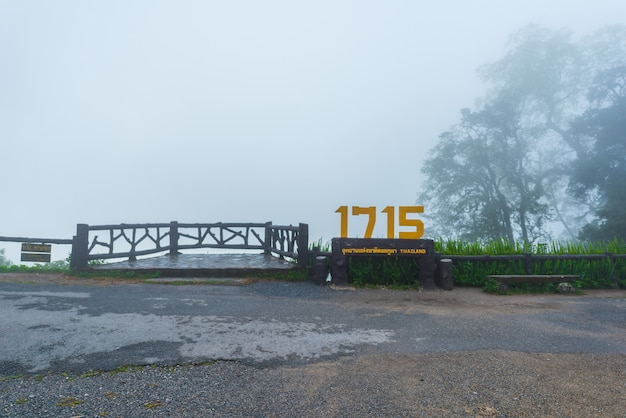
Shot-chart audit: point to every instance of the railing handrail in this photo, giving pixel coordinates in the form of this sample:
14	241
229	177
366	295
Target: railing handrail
498	257
180	224
38	240
529	259
285	241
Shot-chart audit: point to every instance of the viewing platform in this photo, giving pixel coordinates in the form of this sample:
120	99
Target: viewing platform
203	265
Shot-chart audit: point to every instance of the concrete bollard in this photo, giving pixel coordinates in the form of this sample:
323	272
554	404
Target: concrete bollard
320	270
444	274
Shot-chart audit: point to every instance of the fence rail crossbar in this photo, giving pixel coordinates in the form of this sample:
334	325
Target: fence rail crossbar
133	240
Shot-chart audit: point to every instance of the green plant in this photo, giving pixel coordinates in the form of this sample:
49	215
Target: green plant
70	401
320	246
153	404
91	373
13	377
403	272
3	260
395	272
37	268
492	286
125	368
114	274
294	275
597	273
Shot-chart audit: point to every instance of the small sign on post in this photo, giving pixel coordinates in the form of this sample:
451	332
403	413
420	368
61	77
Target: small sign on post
38	253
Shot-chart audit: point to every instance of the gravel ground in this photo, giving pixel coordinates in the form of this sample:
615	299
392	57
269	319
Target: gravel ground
470	384
494	383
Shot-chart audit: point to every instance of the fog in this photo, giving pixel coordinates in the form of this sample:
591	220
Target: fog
238	111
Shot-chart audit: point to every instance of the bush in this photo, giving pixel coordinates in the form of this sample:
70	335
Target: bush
594	274
3	260
403	272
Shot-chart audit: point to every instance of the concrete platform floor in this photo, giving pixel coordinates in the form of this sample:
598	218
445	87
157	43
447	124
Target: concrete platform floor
203	265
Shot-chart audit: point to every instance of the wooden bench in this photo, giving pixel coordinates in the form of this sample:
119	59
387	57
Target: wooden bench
532	278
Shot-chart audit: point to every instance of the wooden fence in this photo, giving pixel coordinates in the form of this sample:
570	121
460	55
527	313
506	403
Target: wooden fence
101	242
530	259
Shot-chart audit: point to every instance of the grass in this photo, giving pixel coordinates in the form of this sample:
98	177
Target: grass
12	377
153	404
70	402
291	275
44	268
402	273
91	373
38	268
594	274
126	368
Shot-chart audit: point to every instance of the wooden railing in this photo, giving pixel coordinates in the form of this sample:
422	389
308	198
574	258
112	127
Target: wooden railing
529	259
99	242
38	240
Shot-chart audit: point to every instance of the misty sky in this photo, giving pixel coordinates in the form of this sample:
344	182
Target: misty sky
238	111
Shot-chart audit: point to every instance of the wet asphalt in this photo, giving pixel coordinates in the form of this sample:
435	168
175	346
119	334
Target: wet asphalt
56	328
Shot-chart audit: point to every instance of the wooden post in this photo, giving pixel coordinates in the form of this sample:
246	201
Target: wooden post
174	238
528	263
612	270
80	248
133	245
303	245
267	244
427	267
339	264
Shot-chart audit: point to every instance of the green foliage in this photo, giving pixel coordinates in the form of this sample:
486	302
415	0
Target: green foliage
602	170
58	266
116	274
70	402
320	245
126	368
396	272
595	274
37	268
492	286
502	171
291	275
403	273
3	260
91	373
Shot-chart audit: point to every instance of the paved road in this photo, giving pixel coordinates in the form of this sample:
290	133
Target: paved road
50	327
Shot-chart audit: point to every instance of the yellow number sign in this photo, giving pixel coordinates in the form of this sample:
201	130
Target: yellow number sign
416	226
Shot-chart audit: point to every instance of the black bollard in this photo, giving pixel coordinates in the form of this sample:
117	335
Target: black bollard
444	274
320	270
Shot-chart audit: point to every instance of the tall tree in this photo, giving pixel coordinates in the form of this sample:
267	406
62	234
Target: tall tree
502	172
479	178
600	173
